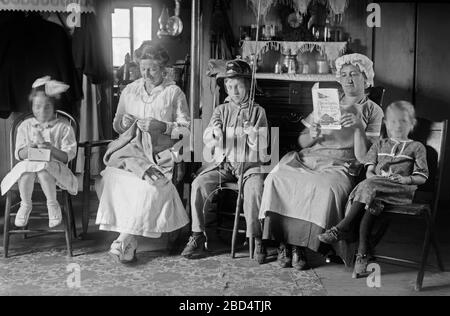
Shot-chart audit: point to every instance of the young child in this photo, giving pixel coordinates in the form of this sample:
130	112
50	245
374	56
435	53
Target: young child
46	131
395	167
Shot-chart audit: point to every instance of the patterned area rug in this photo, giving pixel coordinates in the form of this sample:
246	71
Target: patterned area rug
50	272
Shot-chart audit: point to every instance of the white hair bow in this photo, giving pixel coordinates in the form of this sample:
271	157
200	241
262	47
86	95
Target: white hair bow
52	87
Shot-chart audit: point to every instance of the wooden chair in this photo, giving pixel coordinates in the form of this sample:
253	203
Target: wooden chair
425	205
66	206
240	218
376	94
237	221
88	180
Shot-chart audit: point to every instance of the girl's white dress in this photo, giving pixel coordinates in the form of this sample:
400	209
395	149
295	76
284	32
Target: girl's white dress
60	134
129	204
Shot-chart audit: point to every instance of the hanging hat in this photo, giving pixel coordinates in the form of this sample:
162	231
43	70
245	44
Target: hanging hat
53	88
236	68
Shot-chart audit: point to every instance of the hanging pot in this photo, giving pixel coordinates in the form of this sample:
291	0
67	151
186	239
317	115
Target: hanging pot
175	25
170	26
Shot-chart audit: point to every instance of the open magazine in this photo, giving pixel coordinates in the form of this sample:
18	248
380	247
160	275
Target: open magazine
327	112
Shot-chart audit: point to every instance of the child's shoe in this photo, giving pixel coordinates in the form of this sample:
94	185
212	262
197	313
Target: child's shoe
360	269
332	235
22	215
54	214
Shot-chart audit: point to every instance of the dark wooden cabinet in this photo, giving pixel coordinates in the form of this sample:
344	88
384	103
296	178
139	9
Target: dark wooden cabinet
411	60
286	104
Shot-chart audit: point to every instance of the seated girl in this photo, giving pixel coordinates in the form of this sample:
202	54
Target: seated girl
395	167
44	131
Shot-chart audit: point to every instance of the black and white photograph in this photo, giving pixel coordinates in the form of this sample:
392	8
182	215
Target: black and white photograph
227	155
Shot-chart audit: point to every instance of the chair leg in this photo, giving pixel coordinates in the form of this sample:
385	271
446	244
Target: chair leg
25	236
67	225
235	227
6	226
85	214
72	218
425	252
218	216
86	189
436	248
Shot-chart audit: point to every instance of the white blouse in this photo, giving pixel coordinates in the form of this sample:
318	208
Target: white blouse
166	103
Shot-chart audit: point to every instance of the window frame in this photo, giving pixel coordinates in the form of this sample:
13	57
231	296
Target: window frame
130	5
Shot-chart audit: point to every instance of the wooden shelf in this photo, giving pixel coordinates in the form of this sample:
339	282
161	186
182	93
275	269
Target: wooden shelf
297	77
300	42
331	49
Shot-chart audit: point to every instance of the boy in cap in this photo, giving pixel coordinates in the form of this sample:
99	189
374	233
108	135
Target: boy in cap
230	123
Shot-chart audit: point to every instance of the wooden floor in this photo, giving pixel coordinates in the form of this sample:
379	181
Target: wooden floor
403	240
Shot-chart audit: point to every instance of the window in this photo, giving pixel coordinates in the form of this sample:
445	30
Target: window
130	27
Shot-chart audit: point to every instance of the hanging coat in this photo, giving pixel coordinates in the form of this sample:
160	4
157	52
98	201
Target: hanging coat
88	52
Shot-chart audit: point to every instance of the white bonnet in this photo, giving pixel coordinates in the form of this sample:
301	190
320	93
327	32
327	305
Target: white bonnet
364	64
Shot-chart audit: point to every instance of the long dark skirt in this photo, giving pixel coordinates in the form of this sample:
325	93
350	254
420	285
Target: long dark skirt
292	231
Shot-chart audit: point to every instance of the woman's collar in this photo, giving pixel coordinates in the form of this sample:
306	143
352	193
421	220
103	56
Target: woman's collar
164	84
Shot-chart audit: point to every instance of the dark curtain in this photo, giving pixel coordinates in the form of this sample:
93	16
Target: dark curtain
31	47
